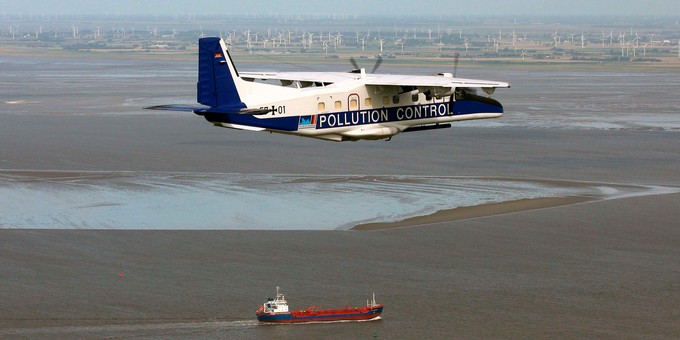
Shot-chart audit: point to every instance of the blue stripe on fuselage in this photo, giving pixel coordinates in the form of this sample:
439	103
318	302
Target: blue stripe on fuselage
289	123
361	117
406	113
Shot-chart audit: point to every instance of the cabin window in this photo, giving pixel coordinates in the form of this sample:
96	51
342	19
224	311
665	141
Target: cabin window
395	99
367	102
338	104
353	103
386	100
321	107
414	97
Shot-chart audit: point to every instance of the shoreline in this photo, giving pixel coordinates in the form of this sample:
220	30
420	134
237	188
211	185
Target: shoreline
313	58
482	210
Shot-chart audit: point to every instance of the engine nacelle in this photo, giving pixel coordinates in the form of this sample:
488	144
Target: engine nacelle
370	133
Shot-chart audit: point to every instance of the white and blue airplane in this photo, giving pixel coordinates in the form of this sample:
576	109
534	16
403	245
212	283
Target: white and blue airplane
336	106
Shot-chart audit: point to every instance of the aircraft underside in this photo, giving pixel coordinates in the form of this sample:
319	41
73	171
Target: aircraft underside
369	124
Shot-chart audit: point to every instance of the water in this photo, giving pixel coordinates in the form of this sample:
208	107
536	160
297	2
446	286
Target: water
76	86
557	272
591	100
571	99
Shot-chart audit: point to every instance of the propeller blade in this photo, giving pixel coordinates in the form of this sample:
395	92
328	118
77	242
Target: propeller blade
455	64
354	63
377	64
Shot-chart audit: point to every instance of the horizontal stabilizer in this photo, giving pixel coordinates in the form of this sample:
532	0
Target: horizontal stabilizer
176	107
254	111
233	110
201	110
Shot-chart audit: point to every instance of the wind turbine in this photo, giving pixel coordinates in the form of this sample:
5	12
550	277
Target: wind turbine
622	39
556	38
634	47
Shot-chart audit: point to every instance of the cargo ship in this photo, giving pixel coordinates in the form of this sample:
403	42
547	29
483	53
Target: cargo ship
276	311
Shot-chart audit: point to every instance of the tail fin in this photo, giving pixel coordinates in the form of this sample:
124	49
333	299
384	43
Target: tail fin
217	76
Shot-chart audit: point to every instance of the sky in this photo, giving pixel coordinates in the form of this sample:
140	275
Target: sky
360	7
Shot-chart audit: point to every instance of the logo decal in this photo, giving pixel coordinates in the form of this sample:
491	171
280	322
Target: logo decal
307	122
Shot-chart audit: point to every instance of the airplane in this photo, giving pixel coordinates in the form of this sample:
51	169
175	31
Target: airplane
335	106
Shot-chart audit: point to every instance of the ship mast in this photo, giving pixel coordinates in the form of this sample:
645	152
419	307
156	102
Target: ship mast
371	303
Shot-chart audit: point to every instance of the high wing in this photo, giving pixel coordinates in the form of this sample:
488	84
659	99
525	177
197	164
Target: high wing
441	80
332	77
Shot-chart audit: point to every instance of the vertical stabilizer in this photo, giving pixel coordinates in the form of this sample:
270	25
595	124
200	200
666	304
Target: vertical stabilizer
217	76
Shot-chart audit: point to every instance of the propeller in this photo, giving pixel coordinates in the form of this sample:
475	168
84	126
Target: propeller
465	90
354	63
455	63
357	68
377	64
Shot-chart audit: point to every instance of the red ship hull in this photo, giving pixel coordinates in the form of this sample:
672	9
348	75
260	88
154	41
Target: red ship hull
314	314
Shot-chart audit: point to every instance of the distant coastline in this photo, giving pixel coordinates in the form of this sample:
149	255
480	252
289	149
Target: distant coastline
494	41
